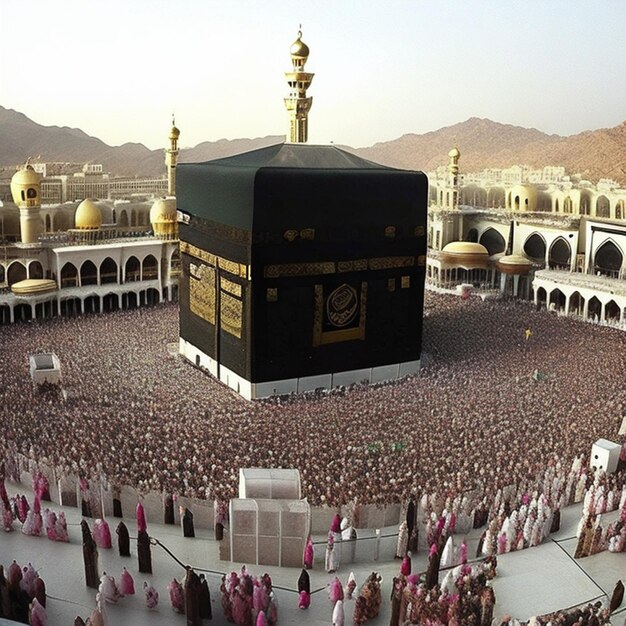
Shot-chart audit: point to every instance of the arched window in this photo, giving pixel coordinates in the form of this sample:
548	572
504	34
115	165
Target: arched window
567	205
608	260
493	241
108	271
535	248
541	296
472	235
150	268
35	270
595	308
611	311
16	273
560	255
557	299
69	275
133	270
585	203
603	207
576	304
88	273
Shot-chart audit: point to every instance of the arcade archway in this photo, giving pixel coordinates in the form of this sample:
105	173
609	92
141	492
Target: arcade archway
16	273
108	271
560	255
69	275
535	248
594	312
608	260
493	241
88	274
557	300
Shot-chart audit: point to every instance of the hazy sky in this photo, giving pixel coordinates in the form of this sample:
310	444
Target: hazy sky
117	69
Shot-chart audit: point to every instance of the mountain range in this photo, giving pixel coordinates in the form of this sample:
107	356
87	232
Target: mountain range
483	143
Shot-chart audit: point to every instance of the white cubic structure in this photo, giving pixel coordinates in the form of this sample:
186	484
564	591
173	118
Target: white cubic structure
605	455
269	532
45	368
271	484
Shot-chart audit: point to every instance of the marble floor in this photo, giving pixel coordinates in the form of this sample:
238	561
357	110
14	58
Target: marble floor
529	582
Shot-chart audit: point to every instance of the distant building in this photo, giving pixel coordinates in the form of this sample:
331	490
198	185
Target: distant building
534	234
87	256
91	182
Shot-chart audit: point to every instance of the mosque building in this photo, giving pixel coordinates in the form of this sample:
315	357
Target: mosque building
302	266
91	256
556	241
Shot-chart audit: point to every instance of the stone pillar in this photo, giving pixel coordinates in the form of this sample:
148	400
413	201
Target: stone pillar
31	225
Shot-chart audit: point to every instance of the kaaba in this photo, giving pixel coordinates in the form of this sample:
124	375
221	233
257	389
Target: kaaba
302	268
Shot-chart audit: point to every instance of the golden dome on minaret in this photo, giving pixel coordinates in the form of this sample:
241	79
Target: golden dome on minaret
174	132
299	48
26	176
453	165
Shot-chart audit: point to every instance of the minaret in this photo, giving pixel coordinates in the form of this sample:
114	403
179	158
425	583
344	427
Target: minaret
453	177
26	192
298	105
171	157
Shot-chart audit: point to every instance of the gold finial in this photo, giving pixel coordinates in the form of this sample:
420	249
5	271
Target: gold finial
173	120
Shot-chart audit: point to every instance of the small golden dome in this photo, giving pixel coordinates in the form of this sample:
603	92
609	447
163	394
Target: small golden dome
514	259
514	264
32	286
465	247
454	153
299	48
174	133
26	176
87	216
163	211
465	254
